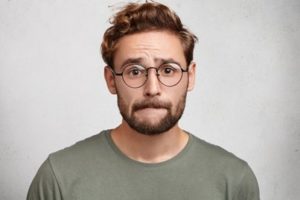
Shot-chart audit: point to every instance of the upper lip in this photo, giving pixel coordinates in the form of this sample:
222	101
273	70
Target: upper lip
151	104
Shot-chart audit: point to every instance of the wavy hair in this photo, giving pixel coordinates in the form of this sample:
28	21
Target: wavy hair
142	17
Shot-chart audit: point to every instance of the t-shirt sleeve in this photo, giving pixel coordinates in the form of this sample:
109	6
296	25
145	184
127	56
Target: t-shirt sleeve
44	185
248	187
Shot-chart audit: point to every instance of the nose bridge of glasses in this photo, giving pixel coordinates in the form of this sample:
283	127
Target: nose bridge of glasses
152	81
152	77
156	71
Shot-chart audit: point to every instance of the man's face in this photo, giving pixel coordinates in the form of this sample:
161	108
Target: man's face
153	108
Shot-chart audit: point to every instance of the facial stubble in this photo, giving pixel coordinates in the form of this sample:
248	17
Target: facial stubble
145	127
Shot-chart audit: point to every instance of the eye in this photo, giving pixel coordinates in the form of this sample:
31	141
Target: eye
134	71
169	70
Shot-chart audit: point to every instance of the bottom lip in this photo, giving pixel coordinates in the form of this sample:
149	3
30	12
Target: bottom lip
151	108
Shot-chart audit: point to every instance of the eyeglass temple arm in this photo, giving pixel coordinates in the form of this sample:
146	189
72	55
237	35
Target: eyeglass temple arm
114	72
185	70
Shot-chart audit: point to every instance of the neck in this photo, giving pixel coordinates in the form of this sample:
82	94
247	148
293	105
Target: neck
149	148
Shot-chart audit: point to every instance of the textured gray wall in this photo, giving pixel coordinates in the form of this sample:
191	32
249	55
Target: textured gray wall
246	99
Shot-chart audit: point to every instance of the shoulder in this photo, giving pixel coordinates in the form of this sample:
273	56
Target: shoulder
217	159
66	166
214	152
89	150
84	146
222	165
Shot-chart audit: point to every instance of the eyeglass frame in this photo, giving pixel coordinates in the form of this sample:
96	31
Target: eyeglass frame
147	69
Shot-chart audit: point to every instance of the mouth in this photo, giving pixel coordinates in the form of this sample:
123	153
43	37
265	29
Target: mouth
150	106
153	108
151	111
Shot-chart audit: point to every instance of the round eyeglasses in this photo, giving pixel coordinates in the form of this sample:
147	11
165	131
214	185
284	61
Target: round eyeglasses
136	75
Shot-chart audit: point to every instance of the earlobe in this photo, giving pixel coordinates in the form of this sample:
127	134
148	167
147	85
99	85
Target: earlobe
110	80
192	76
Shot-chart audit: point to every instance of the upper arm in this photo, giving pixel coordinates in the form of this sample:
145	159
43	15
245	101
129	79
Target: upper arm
44	185
248	187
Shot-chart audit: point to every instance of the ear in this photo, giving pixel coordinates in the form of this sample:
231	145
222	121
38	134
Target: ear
110	80
192	76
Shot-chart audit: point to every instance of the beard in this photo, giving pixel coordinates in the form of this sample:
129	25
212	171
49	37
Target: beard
145	127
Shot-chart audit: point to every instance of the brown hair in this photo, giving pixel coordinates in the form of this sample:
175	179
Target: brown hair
141	17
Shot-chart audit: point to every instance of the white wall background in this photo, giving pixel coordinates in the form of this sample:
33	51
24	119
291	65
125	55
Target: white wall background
52	91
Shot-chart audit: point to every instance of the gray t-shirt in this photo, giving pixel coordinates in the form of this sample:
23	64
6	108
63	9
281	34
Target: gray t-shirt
95	169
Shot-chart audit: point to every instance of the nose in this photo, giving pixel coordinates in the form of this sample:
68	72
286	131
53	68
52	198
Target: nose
152	85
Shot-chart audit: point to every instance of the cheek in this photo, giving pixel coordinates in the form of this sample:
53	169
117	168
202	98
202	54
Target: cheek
175	97
178	92
128	96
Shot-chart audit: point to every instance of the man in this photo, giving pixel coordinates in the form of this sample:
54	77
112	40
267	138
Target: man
149	55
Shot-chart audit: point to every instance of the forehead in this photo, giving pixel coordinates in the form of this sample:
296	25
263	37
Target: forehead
149	48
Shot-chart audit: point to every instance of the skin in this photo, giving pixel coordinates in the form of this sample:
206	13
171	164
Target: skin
150	47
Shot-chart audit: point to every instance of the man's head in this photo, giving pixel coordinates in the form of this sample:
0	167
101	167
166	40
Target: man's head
149	54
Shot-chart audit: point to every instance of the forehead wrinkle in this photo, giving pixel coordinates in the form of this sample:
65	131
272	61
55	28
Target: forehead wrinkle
150	51
146	55
147	49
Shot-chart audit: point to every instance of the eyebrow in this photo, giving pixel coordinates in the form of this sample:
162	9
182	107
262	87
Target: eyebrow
162	61
139	60
131	60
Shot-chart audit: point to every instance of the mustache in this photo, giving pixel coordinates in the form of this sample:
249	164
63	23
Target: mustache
151	104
